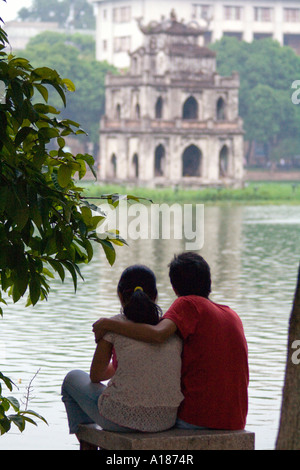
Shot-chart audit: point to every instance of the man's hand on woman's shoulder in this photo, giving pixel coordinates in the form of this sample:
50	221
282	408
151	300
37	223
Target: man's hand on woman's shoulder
100	329
103	325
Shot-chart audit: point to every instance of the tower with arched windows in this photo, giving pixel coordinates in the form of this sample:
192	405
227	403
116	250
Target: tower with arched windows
171	119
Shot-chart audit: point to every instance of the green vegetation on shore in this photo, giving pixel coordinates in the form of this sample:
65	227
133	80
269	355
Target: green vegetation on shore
252	193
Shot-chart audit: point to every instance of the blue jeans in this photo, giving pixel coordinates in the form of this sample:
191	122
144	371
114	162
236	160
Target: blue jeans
180	424
80	397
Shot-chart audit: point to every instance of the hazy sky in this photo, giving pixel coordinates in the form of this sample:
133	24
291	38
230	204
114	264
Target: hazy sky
9	10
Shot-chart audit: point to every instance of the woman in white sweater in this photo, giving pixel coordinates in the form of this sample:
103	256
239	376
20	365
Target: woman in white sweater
143	392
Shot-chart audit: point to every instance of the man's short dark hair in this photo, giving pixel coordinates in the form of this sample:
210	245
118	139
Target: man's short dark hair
190	275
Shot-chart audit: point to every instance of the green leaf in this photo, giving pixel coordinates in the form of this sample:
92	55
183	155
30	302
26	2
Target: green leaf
43	91
48	273
45	109
17	92
89	248
14	403
18	421
61	142
86	214
64	175
4	407
69	122
7	381
117	240
19	288
34	289
59	90
48	133
82	228
20	62
95	221
71	268
4	425
109	250
94	208
3	258
82	170
21	216
67	236
57	266
69	84
22	134
33	413
55	181
44	73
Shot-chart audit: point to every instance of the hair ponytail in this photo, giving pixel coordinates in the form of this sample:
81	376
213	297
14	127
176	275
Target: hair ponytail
137	287
141	309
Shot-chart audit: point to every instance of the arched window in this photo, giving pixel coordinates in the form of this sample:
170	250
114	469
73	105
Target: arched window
135	162
113	165
221	109
159	160
223	161
137	111
190	109
159	108
135	66
191	161
118	112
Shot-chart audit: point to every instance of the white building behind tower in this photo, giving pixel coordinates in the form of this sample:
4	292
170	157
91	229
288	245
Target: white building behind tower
118	32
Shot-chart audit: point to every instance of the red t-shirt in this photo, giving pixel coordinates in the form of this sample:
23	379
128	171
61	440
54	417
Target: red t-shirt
215	371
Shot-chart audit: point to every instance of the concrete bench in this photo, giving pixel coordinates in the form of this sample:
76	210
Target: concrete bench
91	437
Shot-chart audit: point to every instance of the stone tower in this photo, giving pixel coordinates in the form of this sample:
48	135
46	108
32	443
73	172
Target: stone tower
171	119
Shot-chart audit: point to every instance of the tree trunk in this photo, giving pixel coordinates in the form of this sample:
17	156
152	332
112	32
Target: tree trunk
289	428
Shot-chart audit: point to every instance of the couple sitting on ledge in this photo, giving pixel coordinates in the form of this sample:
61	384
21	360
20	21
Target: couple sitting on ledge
187	368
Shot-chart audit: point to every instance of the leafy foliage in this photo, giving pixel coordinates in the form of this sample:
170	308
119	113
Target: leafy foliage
47	226
43	220
19	417
76	13
267	71
73	55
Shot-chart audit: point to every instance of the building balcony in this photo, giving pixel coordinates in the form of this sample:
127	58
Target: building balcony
173	80
147	125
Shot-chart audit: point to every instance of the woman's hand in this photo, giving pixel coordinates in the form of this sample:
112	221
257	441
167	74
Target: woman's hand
101	367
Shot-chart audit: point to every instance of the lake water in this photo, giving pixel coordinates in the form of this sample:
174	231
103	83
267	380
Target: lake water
253	253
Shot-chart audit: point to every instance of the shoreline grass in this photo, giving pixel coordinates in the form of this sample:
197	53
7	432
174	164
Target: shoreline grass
252	193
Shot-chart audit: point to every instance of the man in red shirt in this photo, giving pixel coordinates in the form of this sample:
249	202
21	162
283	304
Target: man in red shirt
215	372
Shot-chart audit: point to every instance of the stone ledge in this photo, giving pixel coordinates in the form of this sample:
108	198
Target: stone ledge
174	439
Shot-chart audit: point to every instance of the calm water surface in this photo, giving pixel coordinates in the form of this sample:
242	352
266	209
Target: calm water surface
253	253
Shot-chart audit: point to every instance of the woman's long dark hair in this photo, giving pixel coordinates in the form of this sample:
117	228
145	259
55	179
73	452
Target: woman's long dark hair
137	287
